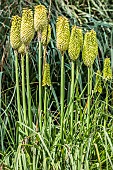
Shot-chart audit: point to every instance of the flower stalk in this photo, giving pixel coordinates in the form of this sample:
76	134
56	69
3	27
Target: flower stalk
107	75
63	36
26	34
75	45
28	89
40	22
72	95
89	96
18	90
89	53
40	79
23	89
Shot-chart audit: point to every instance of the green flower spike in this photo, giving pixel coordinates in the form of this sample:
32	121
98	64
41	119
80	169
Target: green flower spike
15	32
98	86
90	48
40	18
107	72
27	26
46	35
62	33
76	42
46	76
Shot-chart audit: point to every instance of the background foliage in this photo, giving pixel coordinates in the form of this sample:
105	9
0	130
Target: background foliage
87	14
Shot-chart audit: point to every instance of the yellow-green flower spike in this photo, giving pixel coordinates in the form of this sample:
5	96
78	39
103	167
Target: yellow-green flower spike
40	18
107	72
15	32
46	76
75	43
98	85
46	35
90	48
27	26
21	49
62	33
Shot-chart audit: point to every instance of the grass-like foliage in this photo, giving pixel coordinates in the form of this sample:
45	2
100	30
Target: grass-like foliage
56	95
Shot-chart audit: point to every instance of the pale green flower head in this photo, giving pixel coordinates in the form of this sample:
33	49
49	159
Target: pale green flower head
46	76
27	26
90	48
40	18
98	85
62	33
46	35
107	72
75	43
15	32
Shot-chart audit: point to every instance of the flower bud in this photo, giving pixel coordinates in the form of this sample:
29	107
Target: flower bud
62	33
75	43
98	86
46	76
15	32
107	72
40	18
46	35
27	26
90	48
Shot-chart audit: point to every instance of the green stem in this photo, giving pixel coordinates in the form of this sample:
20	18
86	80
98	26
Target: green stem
106	105
91	80
2	145
105	119
106	97
88	116
77	94
62	96
45	106
23	89
40	81
0	89
28	90
72	95
17	88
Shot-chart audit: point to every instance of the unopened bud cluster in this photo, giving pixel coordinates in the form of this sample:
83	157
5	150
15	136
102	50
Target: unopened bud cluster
15	32
98	85
46	76
75	43
40	18
62	33
107	72
22	29
46	35
27	26
22	32
90	48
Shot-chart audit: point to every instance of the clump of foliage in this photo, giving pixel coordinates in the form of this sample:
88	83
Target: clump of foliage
53	114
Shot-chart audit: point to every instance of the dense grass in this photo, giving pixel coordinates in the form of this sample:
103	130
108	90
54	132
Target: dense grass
90	148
